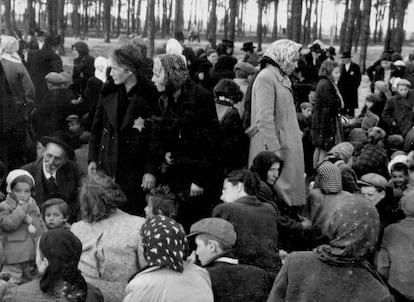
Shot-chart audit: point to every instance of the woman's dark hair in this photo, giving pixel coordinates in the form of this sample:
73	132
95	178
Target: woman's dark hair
163	202
263	162
250	180
60	203
229	89
130	57
326	68
99	197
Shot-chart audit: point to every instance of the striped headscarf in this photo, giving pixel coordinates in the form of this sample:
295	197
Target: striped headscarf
330	178
282	52
164	243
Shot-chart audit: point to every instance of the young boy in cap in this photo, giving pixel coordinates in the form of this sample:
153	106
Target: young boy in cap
394	260
215	238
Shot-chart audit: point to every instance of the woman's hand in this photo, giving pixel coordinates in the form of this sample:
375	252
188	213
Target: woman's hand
196	190
148	181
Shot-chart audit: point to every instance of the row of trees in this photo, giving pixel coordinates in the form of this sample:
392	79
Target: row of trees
304	19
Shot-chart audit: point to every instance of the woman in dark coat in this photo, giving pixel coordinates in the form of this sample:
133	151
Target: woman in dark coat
83	67
120	142
326	119
291	226
337	271
189	139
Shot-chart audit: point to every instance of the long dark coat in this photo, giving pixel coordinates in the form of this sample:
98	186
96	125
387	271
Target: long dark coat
398	113
326	113
348	85
117	147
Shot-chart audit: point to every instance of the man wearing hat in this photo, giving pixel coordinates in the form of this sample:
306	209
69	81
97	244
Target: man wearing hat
55	174
310	64
380	70
231	281
249	55
348	84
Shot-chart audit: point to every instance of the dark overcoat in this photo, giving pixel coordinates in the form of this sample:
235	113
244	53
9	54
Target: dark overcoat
348	84
398	113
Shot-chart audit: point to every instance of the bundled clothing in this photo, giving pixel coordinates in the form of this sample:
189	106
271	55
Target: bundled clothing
398	114
353	230
167	277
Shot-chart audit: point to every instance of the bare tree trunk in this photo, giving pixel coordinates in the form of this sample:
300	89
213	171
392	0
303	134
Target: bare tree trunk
169	17
259	24
30	17
350	26
377	13
139	17
128	17
118	19
232	24
52	16
107	20
86	18
179	15
61	25
315	22
307	23
213	24
151	27
164	19
133	16
343	27
191	16
387	42
275	24
147	19
296	19
289	26
365	30
357	31
98	18
76	18
320	22
398	32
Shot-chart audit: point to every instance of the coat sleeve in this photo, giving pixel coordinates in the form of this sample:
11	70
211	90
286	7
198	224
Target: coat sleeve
382	257
96	132
370	72
10	220
264	94
28	87
279	289
388	113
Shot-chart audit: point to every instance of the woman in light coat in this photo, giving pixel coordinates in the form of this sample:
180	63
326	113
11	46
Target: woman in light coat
274	126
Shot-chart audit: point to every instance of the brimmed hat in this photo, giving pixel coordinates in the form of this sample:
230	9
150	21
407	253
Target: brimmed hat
346	55
248	46
399	63
316	48
374	180
59	138
228	43
216	227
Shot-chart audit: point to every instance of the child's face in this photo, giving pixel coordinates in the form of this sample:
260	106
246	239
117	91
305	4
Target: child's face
54	217
369	104
402	90
73	126
399	178
21	192
307	112
149	209
204	251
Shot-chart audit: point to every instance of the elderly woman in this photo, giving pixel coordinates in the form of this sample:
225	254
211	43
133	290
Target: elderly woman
120	142
110	237
326	119
274	126
337	271
189	138
17	107
167	277
57	257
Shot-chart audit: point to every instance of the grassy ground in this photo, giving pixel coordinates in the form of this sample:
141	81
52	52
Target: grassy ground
99	48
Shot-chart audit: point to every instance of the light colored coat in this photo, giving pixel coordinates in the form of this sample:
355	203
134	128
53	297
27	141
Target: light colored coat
111	252
274	127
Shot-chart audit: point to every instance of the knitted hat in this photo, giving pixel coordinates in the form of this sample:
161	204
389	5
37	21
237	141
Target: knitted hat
343	150
397	159
17	173
330	178
407	203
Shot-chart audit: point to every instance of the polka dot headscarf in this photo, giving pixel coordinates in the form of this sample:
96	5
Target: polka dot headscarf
164	243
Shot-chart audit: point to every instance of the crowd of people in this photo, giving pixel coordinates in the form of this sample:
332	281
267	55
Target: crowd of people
195	176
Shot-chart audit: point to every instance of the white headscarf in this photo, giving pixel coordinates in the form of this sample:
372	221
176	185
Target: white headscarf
282	52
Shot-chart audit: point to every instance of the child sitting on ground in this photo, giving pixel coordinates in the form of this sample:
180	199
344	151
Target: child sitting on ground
161	202
215	238
56	212
21	225
394	258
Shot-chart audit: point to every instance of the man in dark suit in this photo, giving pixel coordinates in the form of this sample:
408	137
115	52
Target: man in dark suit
41	62
348	84
55	174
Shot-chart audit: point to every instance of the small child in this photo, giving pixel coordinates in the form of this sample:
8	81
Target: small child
215	238
399	177
77	133
21	224
394	260
161	202
305	123
56	212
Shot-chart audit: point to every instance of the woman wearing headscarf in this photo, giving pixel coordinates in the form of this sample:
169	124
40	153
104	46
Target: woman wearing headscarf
57	257
189	131
274	126
167	276
337	271
112	248
291	226
17	112
83	67
120	141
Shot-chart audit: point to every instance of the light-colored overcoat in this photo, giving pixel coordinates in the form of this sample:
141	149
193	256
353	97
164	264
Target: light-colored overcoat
274	127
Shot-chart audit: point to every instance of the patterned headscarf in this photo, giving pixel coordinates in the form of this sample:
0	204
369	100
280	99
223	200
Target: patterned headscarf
176	71
330	178
353	230
164	243
282	52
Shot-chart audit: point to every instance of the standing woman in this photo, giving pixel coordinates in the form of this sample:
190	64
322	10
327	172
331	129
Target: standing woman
120	143
326	119
189	130
274	125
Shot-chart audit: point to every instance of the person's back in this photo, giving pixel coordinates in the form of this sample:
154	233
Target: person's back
306	278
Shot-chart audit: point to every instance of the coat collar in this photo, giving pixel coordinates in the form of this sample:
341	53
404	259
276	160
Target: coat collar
284	80
250	200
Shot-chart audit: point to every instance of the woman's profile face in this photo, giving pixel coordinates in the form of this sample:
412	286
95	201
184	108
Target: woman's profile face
119	73
292	65
158	75
336	73
273	173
